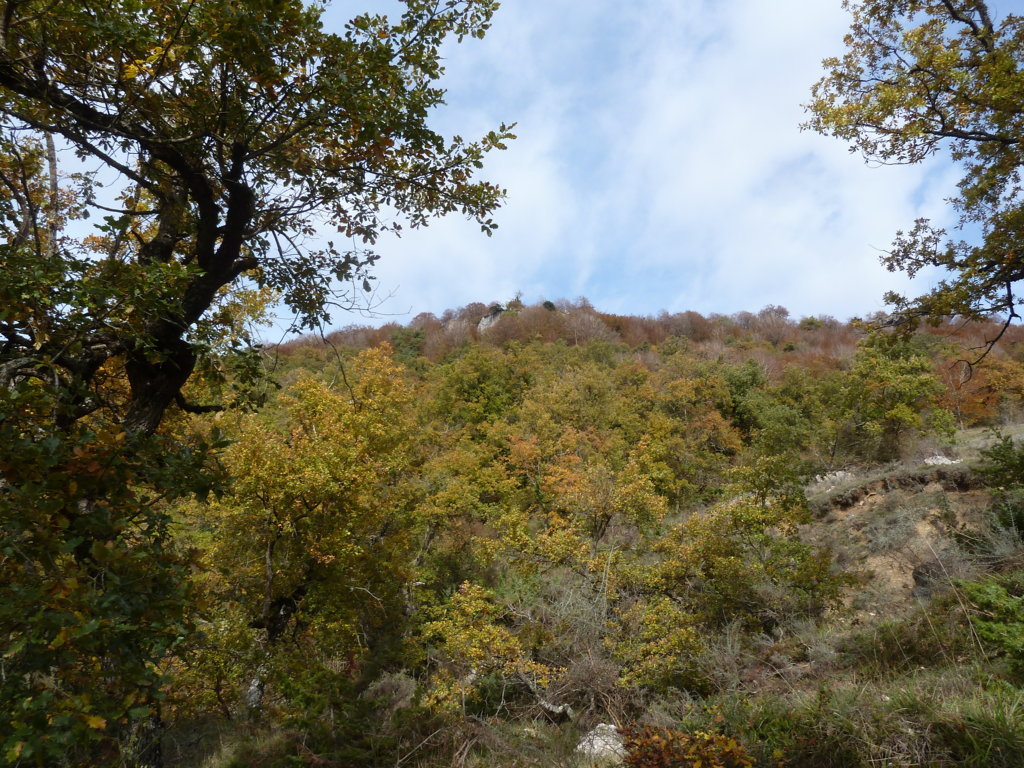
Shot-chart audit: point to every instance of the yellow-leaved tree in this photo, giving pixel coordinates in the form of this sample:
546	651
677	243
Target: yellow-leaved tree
306	556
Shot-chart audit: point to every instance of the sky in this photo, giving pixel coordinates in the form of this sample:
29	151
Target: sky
660	165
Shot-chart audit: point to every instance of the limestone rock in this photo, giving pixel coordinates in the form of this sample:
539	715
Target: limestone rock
602	745
940	461
832	480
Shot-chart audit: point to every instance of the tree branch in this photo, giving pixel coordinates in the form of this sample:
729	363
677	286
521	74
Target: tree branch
982	32
188	407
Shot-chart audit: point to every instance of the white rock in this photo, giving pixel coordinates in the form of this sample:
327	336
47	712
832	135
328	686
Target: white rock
832	480
603	744
254	693
938	461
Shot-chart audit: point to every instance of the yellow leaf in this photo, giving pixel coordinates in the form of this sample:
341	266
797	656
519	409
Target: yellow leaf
95	721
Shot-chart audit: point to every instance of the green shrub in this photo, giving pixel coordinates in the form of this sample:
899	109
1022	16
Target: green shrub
1003	471
1004	462
658	645
998	616
745	561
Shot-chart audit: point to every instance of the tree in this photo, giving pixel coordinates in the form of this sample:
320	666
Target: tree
742	560
305	555
234	133
221	139
924	76
889	394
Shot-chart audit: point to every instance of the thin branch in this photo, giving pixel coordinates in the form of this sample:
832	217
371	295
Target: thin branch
53	203
990	343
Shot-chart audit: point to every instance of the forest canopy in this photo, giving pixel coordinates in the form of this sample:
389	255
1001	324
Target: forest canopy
475	537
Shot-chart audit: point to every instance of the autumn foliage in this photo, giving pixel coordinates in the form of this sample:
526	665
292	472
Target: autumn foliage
665	748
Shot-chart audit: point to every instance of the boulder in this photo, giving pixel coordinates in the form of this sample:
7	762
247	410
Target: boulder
602	746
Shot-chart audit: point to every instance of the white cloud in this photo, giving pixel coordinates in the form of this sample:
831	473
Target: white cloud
660	165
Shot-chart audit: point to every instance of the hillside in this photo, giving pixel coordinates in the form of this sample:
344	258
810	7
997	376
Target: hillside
771	530
510	534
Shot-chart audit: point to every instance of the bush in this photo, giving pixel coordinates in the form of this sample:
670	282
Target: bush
659	645
745	561
998	616
1003	471
664	748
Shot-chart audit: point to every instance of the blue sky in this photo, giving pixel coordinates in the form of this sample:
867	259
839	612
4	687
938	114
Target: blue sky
660	166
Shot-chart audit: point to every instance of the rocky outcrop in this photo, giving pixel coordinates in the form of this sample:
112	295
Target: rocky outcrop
956	477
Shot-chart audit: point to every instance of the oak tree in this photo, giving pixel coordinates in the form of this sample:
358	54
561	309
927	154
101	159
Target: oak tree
304	557
920	77
232	134
220	146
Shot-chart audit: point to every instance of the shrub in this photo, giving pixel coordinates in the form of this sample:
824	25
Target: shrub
745	560
1003	471
664	748
659	645
998	615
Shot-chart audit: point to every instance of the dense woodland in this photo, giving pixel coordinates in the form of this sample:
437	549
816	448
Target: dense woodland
742	540
474	537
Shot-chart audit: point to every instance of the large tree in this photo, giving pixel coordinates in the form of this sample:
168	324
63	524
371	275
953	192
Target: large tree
217	142
232	133
920	77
